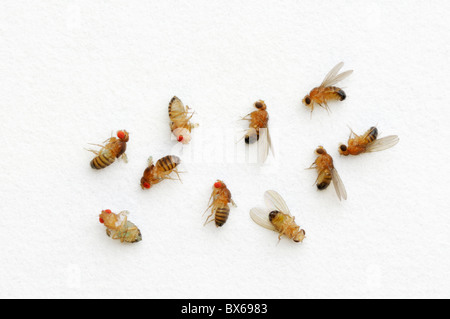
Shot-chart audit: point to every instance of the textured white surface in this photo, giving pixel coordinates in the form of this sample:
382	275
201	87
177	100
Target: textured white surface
73	71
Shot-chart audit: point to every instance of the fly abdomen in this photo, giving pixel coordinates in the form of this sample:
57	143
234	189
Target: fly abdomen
129	233
102	161
221	215
342	94
252	136
168	162
338	93
175	114
323	185
324	180
373	134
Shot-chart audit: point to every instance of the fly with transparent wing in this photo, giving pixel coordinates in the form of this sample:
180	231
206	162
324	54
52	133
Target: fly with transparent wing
180	120
258	130
326	92
327	173
277	217
368	142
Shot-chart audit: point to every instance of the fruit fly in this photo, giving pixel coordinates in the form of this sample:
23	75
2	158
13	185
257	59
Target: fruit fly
180	117
259	130
277	217
327	173
154	174
220	199
367	142
118	227
326	91
114	148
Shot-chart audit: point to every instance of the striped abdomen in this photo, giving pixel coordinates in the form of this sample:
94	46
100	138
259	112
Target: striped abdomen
371	134
334	93
324	179
168	163
221	215
104	159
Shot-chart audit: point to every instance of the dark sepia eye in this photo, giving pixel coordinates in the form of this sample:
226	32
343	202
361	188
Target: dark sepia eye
307	100
258	105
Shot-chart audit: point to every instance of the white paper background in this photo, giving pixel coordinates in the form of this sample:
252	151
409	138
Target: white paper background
73	71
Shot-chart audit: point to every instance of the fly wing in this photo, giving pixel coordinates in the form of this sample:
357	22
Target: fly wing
333	77
338	185
264	144
261	217
177	111
382	143
274	200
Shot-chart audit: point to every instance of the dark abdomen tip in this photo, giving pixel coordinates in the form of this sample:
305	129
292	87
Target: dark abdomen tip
342	95
94	165
250	139
219	223
322	186
374	131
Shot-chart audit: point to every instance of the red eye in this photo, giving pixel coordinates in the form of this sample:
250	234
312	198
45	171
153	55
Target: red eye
101	220
218	185
146	185
121	135
180	138
108	211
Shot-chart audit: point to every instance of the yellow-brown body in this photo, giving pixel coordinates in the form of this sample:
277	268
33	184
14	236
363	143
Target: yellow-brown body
114	148
118	227
321	95
179	117
326	92
258	119
285	225
327	173
180	120
154	174
324	166
359	144
221	198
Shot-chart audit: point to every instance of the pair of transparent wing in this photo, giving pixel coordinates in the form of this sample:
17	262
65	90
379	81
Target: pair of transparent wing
382	143
333	77
264	144
273	201
338	185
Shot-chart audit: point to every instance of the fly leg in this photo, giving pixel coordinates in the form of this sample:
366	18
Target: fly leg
213	210
311	106
312	166
327	107
351	132
111	139
178	174
95	152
